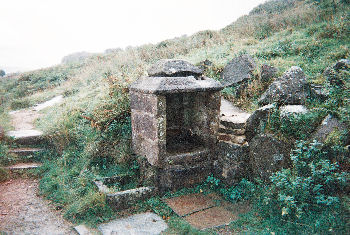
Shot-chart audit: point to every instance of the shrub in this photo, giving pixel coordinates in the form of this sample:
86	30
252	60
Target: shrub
307	196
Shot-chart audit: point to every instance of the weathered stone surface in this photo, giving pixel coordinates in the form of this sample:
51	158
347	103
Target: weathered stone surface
267	72
212	217
238	70
179	176
124	199
139	224
163	85
291	88
233	162
188	204
257	121
225	130
267	155
329	125
174	68
288	110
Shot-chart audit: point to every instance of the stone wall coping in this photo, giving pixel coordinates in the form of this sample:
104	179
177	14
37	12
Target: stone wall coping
166	85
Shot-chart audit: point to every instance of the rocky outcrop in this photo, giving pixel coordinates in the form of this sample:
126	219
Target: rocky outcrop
268	155
238	70
328	126
174	68
291	88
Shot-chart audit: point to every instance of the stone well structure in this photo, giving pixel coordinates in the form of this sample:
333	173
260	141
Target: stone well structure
175	119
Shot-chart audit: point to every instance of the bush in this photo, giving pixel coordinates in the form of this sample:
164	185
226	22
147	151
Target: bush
307	196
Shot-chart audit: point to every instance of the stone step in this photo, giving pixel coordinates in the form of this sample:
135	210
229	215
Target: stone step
24	152
225	130
234	122
231	116
27	137
23	166
21	169
241	140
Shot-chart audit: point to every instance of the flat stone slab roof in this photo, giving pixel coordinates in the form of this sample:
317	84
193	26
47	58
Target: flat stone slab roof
161	85
139	224
188	204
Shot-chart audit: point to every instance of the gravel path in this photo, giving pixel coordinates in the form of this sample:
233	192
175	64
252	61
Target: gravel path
22	211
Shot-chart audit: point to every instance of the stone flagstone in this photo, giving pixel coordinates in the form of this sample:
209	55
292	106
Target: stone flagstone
210	218
188	204
139	224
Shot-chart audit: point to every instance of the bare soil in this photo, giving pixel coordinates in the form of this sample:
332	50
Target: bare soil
23	211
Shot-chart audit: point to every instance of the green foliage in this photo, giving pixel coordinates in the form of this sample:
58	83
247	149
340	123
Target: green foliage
295	126
242	191
307	195
3	174
2	73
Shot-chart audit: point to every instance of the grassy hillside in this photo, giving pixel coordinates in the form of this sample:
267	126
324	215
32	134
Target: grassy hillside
90	132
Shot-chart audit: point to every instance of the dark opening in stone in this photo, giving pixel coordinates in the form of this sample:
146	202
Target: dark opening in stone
181	124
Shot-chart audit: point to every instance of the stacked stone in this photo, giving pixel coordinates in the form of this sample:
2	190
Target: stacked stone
232	162
232	124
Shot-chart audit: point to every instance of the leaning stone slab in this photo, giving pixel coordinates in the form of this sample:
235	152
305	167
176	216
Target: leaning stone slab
257	121
238	70
174	68
124	199
139	224
329	125
26	137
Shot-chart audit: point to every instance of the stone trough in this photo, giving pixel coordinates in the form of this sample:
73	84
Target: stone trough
125	198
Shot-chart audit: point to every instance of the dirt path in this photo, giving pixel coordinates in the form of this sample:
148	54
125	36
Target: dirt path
23	119
22	211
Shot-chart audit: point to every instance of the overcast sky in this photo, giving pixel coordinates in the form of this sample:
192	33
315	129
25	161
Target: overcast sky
38	33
